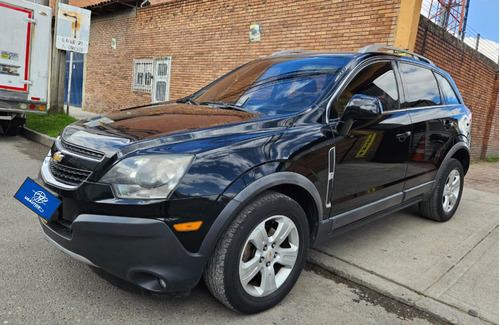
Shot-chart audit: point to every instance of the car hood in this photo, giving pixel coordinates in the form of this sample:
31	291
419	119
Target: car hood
158	124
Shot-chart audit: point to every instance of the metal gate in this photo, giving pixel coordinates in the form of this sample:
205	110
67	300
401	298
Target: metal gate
76	80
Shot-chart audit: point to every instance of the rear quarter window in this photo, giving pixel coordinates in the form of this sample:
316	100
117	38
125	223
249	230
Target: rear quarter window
449	94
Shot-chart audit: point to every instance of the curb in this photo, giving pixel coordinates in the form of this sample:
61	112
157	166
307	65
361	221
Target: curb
38	137
391	289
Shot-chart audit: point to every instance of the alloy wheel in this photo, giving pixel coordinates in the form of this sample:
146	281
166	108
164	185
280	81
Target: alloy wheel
268	256
451	190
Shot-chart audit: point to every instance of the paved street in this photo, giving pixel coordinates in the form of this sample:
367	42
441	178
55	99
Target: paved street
40	285
450	269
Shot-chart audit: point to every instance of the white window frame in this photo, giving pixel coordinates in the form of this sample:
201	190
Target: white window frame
167	60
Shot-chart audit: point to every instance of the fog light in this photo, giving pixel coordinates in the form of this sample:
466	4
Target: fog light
162	282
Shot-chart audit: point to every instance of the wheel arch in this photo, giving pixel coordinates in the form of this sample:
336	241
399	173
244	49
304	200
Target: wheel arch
463	156
307	202
461	152
294	185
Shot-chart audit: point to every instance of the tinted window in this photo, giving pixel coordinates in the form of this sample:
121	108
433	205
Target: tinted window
448	93
276	85
421	87
376	80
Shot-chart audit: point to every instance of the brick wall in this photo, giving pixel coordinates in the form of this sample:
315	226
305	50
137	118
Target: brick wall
85	3
476	77
209	38
491	150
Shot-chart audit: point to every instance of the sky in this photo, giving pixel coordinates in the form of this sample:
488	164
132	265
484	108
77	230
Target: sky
483	18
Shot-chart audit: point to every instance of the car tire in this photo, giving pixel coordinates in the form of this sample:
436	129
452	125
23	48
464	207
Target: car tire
260	256
445	198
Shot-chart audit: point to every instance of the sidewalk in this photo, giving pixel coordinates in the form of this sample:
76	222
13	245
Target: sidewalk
447	269
79	114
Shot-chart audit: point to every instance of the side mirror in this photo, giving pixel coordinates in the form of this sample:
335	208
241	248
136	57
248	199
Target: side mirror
359	107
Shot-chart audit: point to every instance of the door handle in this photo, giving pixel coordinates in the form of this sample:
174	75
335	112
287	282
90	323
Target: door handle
402	136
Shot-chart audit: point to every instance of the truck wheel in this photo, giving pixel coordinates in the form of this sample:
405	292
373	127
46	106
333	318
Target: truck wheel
260	256
11	130
12	127
444	200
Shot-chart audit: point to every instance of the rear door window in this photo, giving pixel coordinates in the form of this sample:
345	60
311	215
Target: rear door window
421	88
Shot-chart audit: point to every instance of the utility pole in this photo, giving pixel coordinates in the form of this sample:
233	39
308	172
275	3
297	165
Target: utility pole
70	62
57	71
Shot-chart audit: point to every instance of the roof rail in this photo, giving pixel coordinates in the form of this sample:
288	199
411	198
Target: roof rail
286	52
376	48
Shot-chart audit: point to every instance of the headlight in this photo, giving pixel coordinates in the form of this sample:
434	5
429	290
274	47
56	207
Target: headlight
147	176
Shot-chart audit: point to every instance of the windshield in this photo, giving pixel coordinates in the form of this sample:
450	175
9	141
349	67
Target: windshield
275	85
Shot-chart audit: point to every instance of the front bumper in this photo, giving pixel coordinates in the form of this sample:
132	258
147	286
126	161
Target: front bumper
139	250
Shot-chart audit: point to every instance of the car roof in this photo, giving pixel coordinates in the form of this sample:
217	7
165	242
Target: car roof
364	52
360	56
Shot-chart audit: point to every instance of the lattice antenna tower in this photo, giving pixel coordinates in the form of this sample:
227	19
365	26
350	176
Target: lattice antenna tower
450	14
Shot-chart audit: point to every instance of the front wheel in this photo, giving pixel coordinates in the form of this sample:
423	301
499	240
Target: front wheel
261	255
444	200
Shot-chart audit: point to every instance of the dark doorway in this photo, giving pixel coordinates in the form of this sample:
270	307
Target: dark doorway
76	80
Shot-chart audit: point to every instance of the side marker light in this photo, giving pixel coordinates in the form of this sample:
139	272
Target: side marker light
188	226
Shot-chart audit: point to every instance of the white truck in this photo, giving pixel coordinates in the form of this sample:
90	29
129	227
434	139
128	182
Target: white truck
25	41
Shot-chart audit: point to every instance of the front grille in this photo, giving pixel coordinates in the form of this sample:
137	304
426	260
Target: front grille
68	175
82	151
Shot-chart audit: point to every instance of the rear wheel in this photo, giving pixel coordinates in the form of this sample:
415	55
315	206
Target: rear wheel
444	200
13	127
260	256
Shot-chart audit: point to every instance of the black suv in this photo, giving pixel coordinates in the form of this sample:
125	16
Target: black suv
238	180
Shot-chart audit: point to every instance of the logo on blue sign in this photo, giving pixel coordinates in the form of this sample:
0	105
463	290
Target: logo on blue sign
37	199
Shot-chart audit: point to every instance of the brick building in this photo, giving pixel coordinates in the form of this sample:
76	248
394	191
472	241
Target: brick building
201	40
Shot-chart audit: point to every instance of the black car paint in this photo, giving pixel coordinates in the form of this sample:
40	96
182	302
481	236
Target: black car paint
222	168
239	158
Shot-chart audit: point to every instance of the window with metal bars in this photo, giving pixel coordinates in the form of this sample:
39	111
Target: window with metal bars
142	79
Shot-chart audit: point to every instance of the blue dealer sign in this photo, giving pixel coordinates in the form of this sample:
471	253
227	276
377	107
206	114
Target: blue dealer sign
37	199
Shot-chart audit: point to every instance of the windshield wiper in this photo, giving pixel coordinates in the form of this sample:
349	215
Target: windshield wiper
186	100
224	105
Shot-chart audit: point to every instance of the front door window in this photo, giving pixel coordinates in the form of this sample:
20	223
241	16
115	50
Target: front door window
371	159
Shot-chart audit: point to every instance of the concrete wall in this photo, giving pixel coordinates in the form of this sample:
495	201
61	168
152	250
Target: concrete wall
476	77
209	38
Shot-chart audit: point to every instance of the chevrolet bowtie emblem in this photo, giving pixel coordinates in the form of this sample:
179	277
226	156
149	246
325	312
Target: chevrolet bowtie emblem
58	156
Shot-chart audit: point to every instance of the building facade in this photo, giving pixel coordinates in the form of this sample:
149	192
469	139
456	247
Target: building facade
169	49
